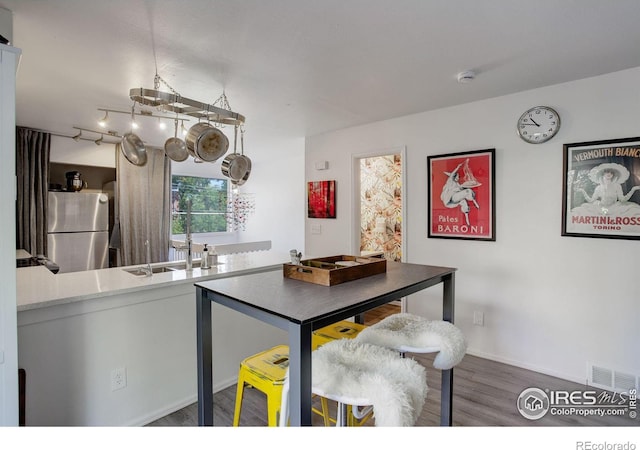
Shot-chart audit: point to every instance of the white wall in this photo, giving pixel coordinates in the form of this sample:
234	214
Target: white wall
8	341
551	303
84	153
277	181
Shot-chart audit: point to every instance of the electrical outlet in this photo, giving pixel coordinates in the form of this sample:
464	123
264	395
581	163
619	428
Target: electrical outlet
118	378
478	318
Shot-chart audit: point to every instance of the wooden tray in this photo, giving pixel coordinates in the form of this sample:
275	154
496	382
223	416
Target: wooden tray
332	270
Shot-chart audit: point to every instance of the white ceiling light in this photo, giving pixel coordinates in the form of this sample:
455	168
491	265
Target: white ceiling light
466	77
103	122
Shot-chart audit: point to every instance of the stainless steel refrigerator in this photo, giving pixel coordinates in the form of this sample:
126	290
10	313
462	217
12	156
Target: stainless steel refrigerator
78	230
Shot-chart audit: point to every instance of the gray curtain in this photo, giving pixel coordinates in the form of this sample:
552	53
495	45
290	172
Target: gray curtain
32	171
143	207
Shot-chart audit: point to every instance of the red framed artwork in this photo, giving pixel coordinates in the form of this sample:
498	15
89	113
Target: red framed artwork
321	199
461	195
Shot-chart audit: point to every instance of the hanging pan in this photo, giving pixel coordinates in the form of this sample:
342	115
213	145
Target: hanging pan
132	146
206	142
175	148
133	149
235	166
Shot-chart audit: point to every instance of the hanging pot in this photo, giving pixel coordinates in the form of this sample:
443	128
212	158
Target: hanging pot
235	166
175	148
133	149
206	142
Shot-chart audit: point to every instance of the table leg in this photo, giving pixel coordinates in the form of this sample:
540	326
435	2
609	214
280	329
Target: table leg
300	374
204	358
446	394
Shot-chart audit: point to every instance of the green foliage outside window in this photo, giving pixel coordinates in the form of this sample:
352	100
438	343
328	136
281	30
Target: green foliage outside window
208	204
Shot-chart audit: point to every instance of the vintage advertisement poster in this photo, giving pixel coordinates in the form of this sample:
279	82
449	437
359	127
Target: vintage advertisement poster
461	195
601	189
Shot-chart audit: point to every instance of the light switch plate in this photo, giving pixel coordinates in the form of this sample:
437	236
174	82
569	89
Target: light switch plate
316	229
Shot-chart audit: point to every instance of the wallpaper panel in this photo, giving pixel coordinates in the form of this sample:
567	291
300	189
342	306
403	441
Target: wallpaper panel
381	205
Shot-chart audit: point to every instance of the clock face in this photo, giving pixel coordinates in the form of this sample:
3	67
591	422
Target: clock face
539	124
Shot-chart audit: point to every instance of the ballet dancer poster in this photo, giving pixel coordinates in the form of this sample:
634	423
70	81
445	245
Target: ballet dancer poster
461	195
601	189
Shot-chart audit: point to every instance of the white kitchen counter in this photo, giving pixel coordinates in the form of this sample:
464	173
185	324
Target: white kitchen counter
22	254
37	287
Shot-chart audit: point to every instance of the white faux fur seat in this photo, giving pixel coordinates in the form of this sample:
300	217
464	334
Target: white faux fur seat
359	374
408	333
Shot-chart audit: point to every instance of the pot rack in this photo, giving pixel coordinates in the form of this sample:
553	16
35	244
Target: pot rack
178	104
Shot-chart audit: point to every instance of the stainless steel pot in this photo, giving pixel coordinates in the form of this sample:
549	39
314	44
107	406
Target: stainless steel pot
235	166
133	149
206	142
175	148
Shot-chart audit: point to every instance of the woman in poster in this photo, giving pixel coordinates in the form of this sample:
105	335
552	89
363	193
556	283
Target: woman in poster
608	198
455	194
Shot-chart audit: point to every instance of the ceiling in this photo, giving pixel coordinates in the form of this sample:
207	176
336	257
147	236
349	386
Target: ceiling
297	68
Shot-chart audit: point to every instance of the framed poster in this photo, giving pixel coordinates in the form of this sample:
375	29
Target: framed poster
321	199
461	195
601	189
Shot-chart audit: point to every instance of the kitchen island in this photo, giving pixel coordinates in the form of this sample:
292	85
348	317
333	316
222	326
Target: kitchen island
107	347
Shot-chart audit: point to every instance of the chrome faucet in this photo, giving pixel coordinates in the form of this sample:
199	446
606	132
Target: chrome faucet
147	269
189	243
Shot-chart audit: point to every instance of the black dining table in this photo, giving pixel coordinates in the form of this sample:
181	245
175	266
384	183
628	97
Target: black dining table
300	307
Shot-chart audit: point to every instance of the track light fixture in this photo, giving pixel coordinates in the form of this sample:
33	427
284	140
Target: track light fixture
100	140
135	124
103	122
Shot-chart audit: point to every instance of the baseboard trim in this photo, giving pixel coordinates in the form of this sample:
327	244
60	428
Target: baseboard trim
177	406
523	365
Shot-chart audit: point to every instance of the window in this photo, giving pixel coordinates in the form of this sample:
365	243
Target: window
208	204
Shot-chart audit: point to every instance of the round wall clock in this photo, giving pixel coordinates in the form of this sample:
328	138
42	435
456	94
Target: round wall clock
538	124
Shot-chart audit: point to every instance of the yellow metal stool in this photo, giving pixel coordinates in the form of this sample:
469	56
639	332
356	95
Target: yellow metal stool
343	329
339	330
266	372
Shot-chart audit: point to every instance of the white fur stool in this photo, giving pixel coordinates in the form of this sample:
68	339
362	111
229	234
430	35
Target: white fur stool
408	333
360	375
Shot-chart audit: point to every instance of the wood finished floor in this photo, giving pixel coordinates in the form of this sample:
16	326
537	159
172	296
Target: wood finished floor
485	394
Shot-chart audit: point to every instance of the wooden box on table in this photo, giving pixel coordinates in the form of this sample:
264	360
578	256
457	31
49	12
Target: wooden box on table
332	270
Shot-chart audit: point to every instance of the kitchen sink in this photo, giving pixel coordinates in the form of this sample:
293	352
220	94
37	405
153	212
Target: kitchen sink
141	270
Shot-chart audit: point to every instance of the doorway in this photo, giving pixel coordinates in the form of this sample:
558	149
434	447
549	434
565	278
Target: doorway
380	207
